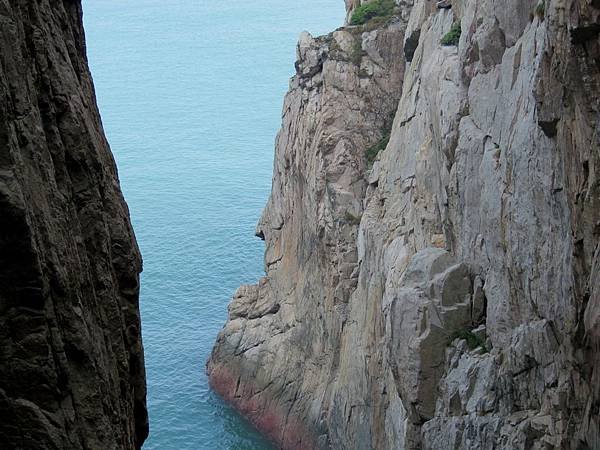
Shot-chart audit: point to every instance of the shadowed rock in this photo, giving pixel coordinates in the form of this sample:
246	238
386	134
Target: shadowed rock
71	357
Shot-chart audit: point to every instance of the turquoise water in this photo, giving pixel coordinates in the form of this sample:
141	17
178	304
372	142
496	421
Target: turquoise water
190	94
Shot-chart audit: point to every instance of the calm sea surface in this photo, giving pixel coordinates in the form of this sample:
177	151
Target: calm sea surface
190	93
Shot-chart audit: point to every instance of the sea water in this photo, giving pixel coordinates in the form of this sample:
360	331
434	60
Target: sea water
190	93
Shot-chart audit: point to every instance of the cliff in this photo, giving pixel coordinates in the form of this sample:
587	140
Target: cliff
71	357
449	295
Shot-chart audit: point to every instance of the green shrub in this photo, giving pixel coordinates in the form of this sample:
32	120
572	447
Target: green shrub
352	219
540	10
473	341
375	8
357	52
376	22
453	36
372	152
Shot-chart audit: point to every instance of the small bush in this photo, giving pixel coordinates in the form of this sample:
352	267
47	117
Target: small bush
540	10
372	152
473	341
453	36
375	8
357	52
352	219
376	22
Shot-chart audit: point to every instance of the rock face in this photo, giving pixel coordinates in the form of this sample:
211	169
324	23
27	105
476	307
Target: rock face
449	296
71	357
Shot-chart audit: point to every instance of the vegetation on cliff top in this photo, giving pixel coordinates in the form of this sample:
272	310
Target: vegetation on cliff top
368	11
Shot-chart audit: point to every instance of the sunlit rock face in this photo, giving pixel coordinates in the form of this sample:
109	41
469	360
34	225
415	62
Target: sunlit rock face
446	295
71	357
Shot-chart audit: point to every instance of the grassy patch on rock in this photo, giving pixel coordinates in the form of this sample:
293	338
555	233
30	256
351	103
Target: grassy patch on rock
386	131
357	52
473	340
453	36
372	9
540	10
352	219
373	151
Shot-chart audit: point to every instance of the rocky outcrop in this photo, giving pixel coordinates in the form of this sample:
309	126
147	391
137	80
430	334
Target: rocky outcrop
277	357
448	296
71	358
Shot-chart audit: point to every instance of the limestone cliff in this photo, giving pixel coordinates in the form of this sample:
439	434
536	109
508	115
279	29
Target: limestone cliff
449	295
71	358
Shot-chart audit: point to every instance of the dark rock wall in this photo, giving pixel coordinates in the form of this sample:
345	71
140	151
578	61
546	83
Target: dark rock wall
71	356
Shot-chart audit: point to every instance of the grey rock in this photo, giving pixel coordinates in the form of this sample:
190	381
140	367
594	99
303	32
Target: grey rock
346	88
482	212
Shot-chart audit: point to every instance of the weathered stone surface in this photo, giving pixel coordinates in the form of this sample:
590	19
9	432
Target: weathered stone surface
71	358
433	301
276	358
482	214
